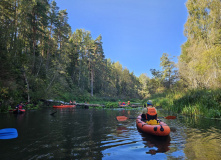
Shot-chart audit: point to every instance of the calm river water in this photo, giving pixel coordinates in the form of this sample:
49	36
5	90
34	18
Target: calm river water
87	134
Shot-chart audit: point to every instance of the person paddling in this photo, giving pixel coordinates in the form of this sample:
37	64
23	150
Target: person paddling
19	106
149	112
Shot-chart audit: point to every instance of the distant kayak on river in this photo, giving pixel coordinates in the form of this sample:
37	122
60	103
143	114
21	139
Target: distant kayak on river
64	106
17	111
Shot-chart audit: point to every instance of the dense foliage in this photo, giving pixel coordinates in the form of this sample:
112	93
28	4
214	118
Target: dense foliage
197	86
41	58
200	61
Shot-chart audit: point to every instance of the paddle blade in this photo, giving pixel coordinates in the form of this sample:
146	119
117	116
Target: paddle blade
53	113
121	118
170	117
8	133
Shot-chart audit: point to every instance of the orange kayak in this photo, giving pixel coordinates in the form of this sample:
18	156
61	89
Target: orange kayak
64	106
161	129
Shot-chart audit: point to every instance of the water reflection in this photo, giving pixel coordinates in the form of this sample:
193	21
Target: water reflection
121	129
155	144
203	143
96	134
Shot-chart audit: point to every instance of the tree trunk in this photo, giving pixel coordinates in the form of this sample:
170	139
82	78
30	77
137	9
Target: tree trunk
34	30
51	82
26	80
48	49
92	81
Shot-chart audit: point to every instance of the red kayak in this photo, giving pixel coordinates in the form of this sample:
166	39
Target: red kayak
64	106
121	106
17	111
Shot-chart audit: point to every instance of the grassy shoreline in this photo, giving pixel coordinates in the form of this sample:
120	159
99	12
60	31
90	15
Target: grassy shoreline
206	103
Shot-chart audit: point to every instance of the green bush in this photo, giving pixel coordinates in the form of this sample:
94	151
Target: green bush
214	113
29	106
111	104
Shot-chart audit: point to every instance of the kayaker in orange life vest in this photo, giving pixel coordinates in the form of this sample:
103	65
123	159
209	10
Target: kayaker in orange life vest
149	112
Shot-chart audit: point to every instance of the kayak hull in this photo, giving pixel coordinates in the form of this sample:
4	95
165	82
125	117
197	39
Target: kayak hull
18	111
121	106
64	106
162	129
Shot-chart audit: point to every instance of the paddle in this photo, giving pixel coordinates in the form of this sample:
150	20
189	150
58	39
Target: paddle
169	117
8	133
124	118
53	113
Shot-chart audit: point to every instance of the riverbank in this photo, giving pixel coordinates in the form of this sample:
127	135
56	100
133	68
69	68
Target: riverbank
97	104
206	103
88	103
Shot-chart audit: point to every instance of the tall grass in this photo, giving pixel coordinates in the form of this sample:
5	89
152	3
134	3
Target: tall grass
192	102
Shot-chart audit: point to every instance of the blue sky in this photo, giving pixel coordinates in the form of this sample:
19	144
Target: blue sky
134	32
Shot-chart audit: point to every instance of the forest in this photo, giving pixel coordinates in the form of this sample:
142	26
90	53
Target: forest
42	58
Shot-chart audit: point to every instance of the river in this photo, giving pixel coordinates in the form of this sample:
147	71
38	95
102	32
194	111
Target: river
86	134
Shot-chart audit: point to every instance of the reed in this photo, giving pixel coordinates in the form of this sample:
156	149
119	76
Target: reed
192	102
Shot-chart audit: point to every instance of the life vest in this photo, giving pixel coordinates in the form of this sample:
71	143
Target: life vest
20	107
151	113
